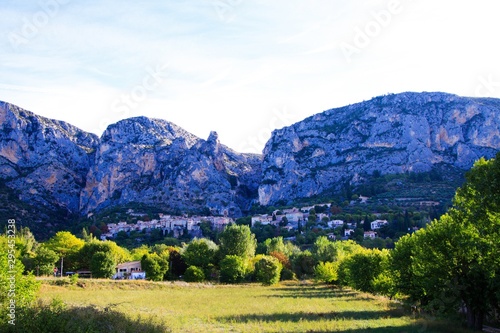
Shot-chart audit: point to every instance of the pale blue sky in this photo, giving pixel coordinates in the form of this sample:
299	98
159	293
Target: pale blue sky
239	67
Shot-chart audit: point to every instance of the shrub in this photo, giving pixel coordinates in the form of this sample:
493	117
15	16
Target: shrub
268	270
232	269
58	317
384	284
73	279
360	269
282	258
287	274
194	274
26	287
326	272
303	264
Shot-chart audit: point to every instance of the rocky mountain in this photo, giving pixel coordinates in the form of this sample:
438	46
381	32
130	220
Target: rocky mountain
48	166
45	161
51	166
157	163
388	134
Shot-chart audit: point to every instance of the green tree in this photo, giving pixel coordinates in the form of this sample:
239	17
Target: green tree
275	244
200	253
366	224
232	269
326	272
402	268
384	284
177	265
361	268
207	231
268	270
102	265
45	260
26	243
66	245
303	264
237	240
86	236
155	266
455	258
139	252
25	286
324	250
194	274
89	249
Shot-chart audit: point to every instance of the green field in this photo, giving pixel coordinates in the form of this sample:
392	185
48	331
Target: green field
290	307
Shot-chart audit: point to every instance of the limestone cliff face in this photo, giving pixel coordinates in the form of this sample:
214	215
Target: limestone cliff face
391	134
46	161
157	163
138	160
53	164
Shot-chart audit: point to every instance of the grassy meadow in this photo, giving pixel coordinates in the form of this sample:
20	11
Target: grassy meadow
288	307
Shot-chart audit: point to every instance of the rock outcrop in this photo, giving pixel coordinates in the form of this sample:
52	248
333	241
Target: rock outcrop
391	134
46	161
157	163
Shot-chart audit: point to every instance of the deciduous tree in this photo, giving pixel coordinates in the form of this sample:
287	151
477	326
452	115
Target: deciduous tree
268	270
455	260
237	240
65	244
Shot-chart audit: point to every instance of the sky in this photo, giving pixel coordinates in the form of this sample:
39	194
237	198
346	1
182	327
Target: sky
239	67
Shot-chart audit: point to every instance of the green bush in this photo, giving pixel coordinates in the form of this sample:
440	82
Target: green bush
287	274
155	266
194	274
73	279
58	317
303	264
326	272
384	284
232	269
268	270
14	286
102	265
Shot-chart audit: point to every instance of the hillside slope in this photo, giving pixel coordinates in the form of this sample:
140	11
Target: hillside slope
387	135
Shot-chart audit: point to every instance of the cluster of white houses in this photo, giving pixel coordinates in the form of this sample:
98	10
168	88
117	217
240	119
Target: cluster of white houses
176	225
294	216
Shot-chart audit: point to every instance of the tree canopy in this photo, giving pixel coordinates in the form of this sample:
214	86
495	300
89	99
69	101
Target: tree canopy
455	260
237	240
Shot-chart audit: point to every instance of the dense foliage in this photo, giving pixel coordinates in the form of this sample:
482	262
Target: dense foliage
454	262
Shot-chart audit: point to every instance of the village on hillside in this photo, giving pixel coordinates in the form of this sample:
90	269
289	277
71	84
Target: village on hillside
292	220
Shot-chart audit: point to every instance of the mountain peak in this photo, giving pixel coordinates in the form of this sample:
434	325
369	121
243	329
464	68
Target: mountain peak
148	131
392	134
